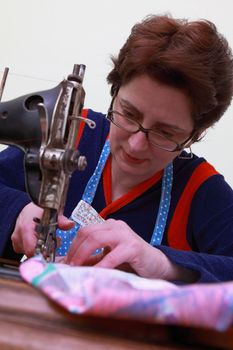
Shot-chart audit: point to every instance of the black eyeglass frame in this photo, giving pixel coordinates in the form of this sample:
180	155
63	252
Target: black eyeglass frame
178	148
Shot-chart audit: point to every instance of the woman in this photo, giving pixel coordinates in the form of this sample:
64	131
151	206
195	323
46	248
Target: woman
169	214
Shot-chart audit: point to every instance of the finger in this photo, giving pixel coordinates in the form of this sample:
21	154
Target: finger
85	244
17	240
77	241
29	243
89	233
91	260
89	239
82	253
24	243
94	259
16	243
64	223
113	259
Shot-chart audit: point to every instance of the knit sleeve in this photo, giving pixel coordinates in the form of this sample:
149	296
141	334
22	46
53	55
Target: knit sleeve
13	197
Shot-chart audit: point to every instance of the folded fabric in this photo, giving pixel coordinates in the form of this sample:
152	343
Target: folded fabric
118	294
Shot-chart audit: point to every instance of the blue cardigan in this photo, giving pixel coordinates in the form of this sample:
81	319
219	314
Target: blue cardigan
207	224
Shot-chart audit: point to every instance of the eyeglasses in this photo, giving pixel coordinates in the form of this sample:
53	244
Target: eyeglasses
154	138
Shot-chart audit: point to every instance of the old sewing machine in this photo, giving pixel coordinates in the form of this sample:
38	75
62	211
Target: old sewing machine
45	124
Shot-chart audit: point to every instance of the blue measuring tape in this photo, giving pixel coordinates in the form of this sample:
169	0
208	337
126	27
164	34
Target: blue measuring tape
89	194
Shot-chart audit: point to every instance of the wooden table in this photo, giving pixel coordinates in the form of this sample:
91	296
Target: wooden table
28	320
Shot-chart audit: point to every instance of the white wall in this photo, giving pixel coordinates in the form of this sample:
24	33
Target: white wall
41	40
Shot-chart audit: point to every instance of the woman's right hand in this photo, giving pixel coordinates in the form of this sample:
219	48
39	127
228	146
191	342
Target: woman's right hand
24	236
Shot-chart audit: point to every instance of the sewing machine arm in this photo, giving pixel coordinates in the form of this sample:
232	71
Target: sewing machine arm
45	125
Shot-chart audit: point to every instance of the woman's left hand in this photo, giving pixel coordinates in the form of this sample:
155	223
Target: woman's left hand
122	245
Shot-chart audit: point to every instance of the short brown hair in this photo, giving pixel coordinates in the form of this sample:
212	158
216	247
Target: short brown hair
190	55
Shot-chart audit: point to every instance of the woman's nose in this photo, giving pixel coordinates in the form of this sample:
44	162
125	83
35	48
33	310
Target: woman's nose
138	141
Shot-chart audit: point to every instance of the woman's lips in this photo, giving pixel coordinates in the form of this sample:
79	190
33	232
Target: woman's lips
130	159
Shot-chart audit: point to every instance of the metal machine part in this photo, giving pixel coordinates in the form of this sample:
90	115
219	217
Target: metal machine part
45	125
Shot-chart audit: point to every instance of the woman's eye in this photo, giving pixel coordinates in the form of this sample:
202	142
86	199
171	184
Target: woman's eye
167	133
128	114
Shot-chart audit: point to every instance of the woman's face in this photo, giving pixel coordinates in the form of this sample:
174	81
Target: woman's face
155	106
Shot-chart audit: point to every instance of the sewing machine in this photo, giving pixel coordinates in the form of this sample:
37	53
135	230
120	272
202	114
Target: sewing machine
45	125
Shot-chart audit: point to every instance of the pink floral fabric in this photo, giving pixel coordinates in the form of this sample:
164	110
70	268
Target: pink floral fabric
117	294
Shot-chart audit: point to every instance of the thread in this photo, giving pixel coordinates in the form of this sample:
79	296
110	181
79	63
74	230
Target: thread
31	77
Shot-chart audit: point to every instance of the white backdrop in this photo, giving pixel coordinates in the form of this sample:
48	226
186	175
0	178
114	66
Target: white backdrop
40	40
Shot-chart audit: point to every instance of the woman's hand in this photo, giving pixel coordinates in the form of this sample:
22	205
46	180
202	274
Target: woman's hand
122	246
24	236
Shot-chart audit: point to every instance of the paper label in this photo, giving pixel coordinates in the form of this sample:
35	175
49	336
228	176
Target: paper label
84	214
